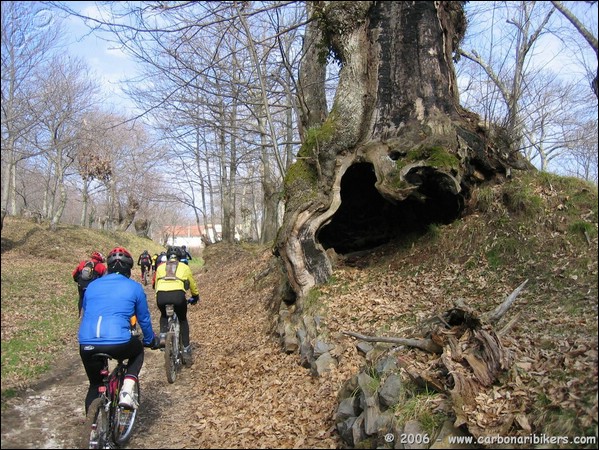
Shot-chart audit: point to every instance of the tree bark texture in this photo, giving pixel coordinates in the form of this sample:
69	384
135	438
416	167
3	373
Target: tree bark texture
312	76
397	108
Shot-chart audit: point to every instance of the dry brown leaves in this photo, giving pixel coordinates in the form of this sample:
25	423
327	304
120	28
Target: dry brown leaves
244	392
554	351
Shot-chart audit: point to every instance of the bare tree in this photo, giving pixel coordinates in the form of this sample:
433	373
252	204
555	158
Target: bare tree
66	95
586	34
126	172
28	36
92	161
553	111
528	24
505	80
210	62
581	159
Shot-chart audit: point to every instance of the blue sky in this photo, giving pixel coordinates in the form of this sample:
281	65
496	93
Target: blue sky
105	61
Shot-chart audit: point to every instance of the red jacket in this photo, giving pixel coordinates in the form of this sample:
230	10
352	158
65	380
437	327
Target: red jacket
99	268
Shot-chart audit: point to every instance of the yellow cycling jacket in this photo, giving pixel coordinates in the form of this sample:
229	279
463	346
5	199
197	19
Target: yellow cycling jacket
179	279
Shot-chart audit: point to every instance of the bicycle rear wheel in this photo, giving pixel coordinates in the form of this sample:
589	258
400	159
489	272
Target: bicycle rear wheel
170	357
124	419
96	431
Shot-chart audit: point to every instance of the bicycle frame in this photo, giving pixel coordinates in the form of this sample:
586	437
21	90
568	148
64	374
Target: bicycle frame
145	274
107	424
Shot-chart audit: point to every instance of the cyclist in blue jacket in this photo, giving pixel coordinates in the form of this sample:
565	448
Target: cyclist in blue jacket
106	325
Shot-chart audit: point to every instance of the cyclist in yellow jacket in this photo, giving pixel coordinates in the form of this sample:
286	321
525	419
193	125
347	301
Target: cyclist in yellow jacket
172	280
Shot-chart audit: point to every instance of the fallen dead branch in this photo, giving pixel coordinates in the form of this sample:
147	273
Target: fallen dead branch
423	344
500	311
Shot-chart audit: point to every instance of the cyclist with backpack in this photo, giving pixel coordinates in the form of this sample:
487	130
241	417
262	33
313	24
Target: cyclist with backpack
186	255
86	272
108	305
145	261
160	258
172	280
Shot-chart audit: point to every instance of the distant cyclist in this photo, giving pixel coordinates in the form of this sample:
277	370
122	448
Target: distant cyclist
172	280
186	255
145	261
160	258
108	305
86	272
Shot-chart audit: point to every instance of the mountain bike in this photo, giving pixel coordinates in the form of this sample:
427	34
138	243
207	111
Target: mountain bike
109	425
173	347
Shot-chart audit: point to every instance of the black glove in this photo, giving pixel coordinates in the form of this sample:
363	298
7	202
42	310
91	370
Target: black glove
194	299
154	344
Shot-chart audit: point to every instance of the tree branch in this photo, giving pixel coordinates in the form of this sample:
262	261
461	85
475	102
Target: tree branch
474	57
423	344
498	313
592	40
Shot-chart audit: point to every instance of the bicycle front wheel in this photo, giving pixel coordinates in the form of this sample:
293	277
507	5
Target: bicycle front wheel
124	419
170	357
96	431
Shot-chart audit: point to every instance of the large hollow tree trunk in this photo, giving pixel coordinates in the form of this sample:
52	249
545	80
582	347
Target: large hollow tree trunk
397	108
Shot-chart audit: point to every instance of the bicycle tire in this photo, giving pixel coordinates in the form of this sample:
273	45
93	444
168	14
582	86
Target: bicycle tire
180	348
96	432
170	357
124	420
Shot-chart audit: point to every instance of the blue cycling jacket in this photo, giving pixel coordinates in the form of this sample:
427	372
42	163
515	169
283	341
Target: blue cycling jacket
109	303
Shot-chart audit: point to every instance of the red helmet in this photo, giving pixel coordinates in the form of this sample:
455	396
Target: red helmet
120	255
98	256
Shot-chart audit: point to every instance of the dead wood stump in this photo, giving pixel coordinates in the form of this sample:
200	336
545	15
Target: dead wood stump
471	360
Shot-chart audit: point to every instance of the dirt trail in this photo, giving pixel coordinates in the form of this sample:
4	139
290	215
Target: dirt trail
241	392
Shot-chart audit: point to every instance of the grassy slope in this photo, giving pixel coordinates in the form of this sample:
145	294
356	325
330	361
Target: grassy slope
532	227
39	296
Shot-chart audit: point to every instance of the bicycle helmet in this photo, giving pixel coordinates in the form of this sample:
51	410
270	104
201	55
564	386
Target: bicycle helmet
97	256
120	260
174	252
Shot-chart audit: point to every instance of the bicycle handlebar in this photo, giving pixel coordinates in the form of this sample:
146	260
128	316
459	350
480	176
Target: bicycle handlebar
154	345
